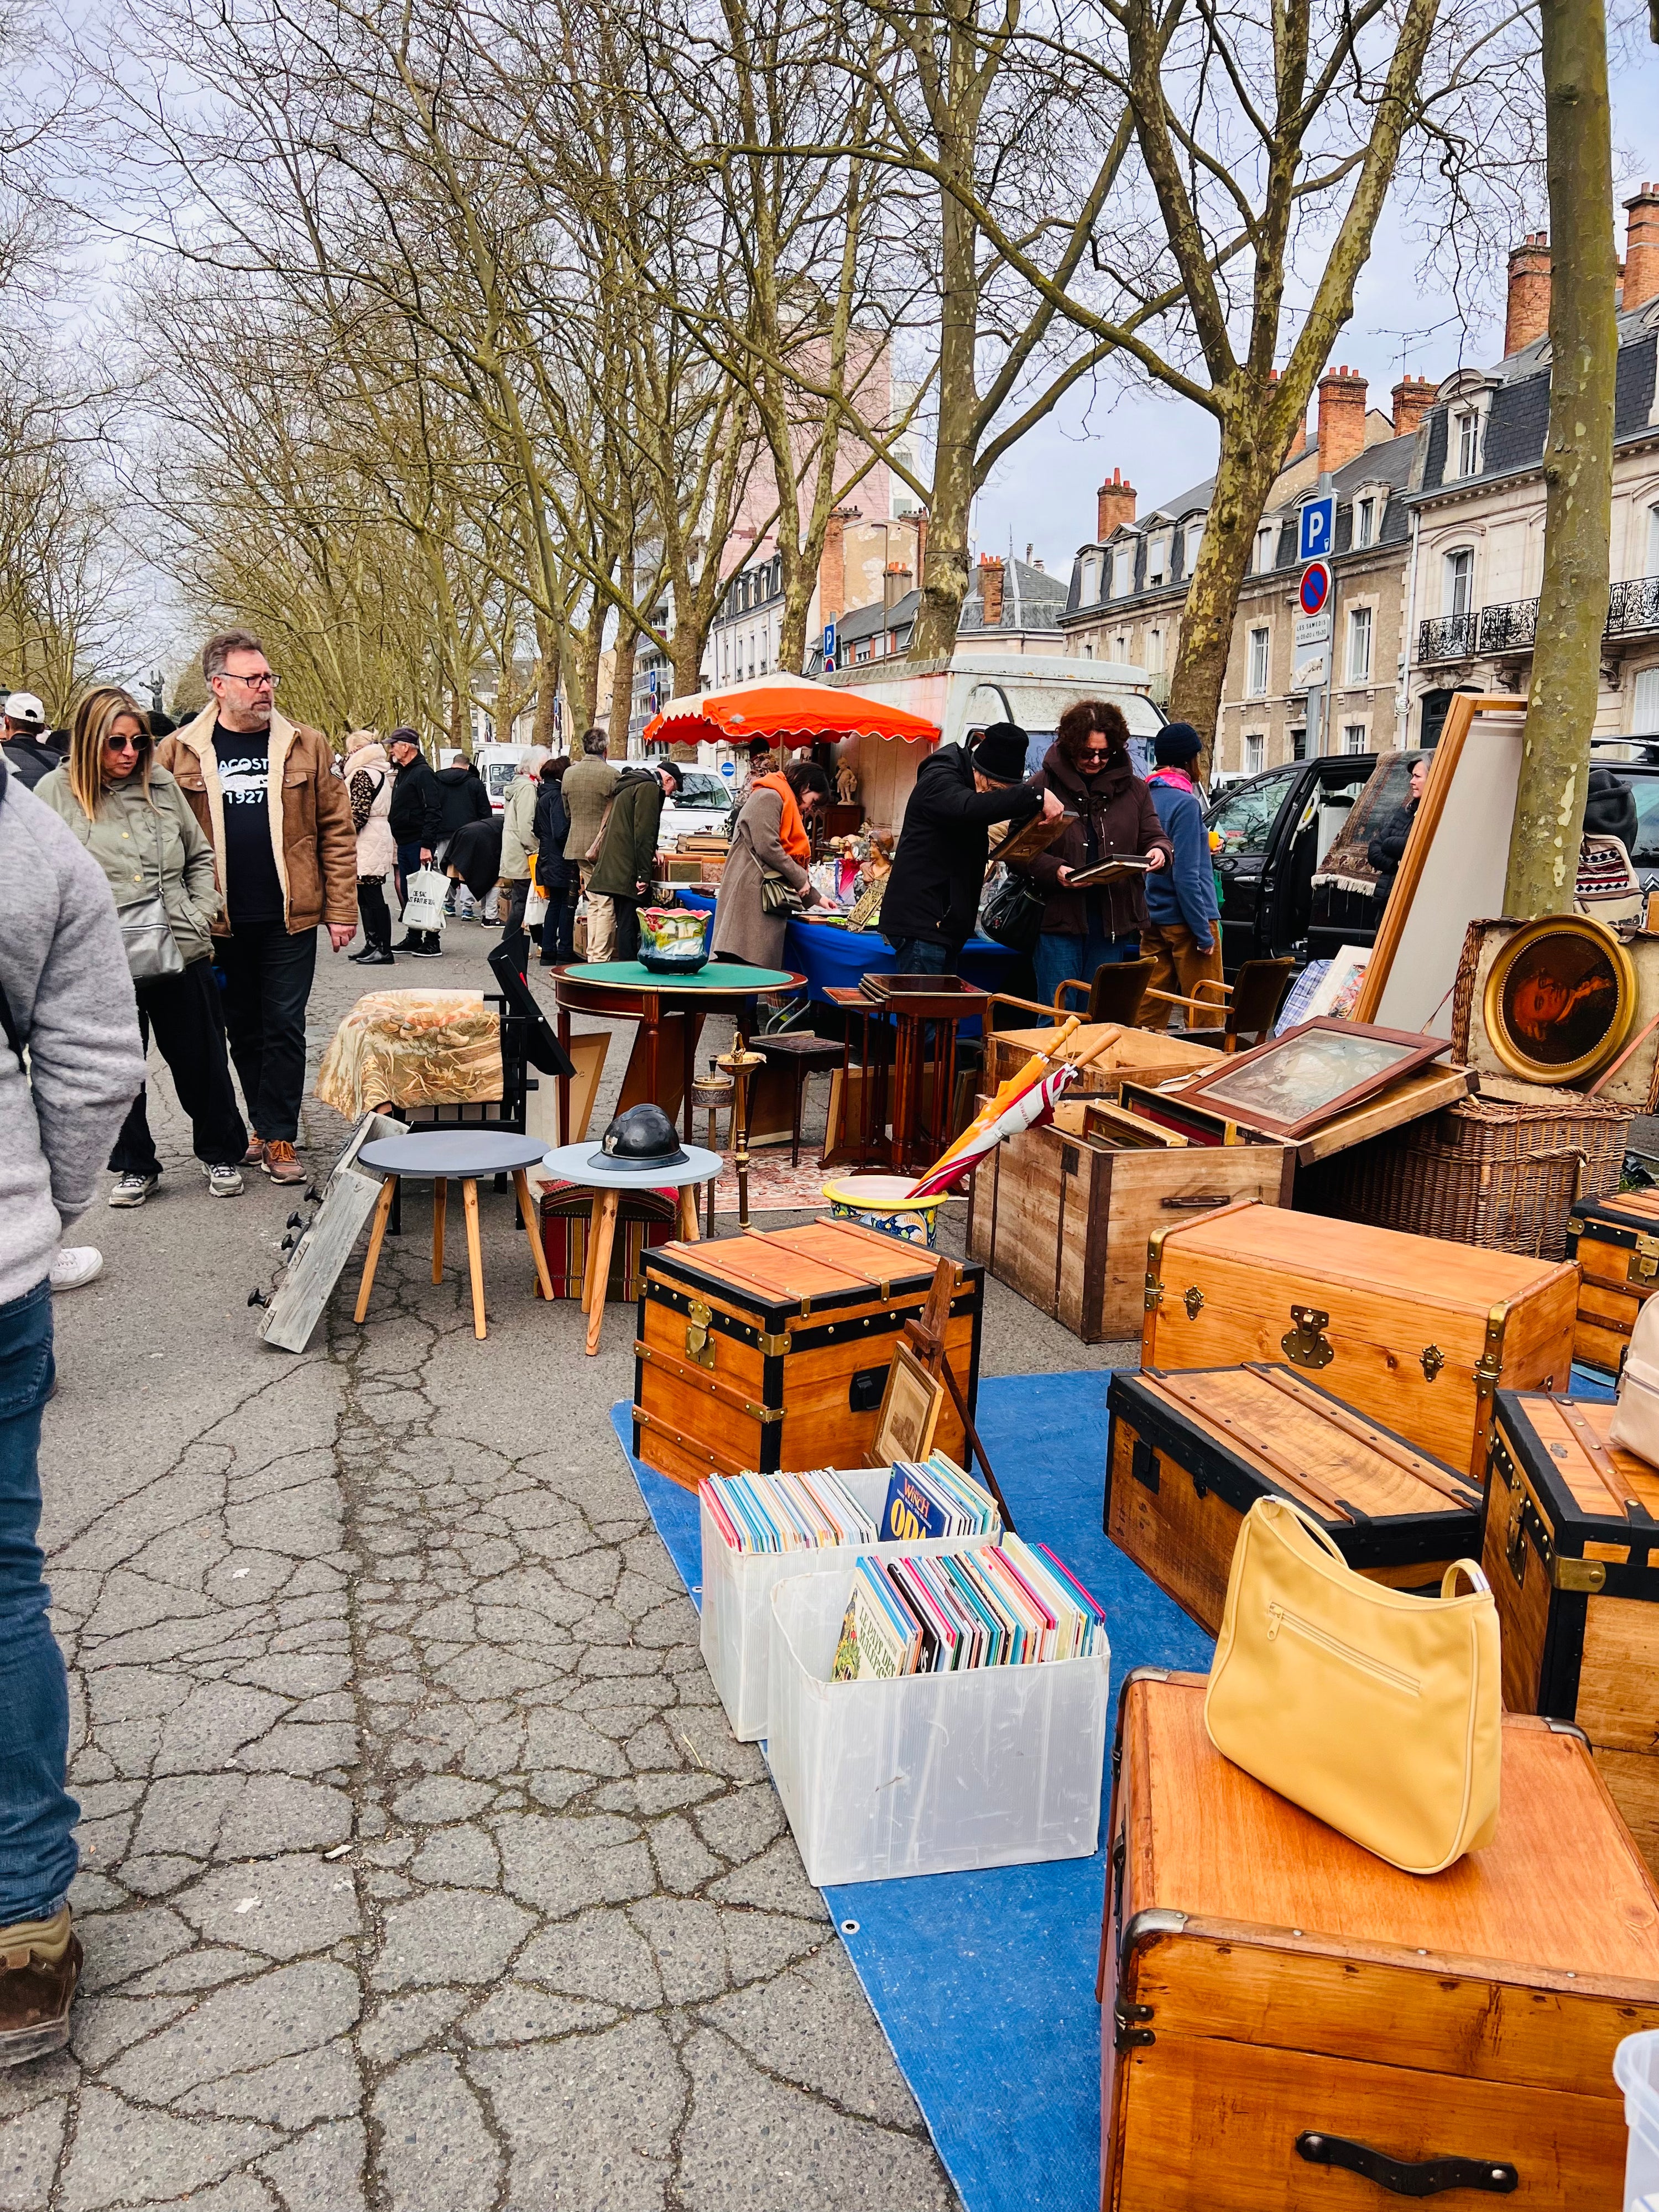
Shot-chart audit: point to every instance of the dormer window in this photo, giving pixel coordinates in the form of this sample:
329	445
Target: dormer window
1194	539
1158	560
1466	437
1089	590
1365	522
1123	571
1266	546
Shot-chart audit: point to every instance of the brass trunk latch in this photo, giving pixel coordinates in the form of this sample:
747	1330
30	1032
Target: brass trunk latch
1304	1343
1433	1360
698	1344
1191	1299
1644	1261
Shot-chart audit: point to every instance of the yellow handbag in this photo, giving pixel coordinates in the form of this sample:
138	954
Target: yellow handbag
1376	1710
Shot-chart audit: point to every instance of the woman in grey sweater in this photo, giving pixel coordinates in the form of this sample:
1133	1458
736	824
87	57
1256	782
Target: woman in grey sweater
136	823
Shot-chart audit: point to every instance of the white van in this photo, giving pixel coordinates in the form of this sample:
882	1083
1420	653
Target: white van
972	690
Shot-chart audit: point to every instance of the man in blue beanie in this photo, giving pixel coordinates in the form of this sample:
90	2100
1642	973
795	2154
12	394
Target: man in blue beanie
1183	922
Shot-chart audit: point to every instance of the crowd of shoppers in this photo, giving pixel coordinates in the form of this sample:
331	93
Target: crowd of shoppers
623	862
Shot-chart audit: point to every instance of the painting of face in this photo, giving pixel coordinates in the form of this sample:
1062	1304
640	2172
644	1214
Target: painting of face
1559	1000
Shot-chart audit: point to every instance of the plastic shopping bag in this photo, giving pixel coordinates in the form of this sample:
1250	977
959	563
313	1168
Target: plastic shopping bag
423	899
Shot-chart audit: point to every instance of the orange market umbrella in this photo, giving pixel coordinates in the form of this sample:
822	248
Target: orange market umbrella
787	709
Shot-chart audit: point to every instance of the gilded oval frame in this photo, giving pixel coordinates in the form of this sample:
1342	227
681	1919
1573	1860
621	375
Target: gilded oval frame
1509	1049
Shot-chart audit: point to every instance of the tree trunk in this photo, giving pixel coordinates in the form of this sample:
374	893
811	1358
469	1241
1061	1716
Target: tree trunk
460	722
1572	606
621	691
1244	475
943	577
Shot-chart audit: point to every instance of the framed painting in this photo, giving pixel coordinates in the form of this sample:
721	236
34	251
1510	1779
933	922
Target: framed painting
1314	1072
910	1408
1559	1000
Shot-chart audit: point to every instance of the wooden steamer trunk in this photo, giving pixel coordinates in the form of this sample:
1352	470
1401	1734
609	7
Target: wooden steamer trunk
1064	1219
1291	2024
771	1349
1571	1546
1190	1454
1413	1332
1615	1241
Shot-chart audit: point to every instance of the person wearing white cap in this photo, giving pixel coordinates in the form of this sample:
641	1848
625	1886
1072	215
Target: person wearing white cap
32	750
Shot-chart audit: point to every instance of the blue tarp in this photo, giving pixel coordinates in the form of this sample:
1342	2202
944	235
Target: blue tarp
984	1984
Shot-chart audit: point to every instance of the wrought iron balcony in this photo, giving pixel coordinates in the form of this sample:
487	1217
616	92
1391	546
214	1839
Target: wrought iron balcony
1511	628
1447	637
1633	607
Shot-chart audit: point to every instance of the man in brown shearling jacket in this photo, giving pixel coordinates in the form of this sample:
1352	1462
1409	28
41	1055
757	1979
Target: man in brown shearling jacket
279	821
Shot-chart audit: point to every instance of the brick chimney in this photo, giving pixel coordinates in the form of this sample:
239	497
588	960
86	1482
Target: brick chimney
1641	247
1413	397
895	583
832	570
1341	418
1526	315
1115	505
990	589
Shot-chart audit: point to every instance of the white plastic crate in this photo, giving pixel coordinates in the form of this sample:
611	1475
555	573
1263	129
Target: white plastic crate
1636	2069
737	1597
929	1773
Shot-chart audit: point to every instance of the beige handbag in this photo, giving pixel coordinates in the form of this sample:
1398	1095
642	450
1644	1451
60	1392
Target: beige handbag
1374	1710
1636	1417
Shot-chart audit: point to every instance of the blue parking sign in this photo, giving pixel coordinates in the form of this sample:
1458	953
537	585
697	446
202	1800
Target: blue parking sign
1316	529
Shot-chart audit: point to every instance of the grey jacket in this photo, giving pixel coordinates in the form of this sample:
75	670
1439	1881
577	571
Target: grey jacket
742	927
65	978
145	846
518	828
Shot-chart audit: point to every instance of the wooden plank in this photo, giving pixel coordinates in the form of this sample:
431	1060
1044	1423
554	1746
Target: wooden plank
1183	1541
1632	1780
1523	1608
1409	1101
1378	1445
1618	1703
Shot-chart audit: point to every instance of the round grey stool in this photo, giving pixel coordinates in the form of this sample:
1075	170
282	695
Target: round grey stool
442	1156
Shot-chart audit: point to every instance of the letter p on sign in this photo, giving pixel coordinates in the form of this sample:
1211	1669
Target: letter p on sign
1316	529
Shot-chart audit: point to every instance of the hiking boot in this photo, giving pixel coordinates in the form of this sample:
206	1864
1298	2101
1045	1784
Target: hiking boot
134	1189
282	1163
255	1153
223	1181
40	1967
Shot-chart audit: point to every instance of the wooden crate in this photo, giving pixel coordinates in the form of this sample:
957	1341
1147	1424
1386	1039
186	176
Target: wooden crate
1412	1331
1064	1218
1188	1454
1265	1982
1569	1565
1615	1241
1145	1055
771	1349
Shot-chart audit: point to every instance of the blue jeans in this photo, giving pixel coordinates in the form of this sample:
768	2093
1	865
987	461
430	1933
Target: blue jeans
922	955
1059	957
38	1855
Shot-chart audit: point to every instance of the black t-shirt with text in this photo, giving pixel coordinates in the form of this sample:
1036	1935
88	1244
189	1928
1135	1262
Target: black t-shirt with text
253	890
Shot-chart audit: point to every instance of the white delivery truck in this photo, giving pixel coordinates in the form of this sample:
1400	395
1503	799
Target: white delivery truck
972	690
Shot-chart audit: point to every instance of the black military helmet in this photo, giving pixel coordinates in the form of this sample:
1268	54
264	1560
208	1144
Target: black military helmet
641	1139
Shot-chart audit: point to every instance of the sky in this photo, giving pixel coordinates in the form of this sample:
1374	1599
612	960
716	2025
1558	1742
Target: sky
1043	494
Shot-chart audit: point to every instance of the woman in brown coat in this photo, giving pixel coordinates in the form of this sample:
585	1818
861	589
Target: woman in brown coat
1088	769
770	834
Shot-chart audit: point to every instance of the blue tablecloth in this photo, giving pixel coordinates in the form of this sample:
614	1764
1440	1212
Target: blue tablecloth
838	957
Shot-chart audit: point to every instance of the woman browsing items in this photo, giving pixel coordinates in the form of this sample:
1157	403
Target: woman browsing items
136	822
771	841
368	778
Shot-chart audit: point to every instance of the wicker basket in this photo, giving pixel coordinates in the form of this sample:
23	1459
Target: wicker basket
1501	1170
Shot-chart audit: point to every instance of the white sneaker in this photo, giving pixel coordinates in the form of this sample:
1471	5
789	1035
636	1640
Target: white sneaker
133	1190
74	1264
224	1181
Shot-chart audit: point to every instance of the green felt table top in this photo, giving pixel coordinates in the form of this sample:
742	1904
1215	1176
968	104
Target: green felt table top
718	975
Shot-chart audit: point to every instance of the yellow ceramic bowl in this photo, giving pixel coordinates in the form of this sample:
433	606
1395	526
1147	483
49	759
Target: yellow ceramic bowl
880	1202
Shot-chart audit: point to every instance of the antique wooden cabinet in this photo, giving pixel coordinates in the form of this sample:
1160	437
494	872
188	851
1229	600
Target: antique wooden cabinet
1188	1454
1414	1331
1063	1217
1571	1546
1615	1241
1290	2024
771	1349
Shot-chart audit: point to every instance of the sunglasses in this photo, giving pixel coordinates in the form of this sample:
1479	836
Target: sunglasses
124	744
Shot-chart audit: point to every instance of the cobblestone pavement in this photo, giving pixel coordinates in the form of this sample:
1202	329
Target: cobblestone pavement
420	1869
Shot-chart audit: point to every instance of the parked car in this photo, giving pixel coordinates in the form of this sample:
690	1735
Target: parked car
1274	830
702	807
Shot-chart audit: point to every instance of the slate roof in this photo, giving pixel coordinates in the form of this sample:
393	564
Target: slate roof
1032	600
1517	417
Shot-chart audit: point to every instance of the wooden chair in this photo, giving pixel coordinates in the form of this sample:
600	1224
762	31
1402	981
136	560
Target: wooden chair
1252	1001
1115	995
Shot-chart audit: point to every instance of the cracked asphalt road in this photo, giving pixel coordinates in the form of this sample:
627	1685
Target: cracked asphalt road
420	1869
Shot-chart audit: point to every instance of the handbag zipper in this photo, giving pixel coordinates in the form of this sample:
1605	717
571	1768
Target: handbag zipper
1278	1618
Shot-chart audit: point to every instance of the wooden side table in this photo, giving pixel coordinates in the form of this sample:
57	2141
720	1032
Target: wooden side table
803	1055
442	1156
576	1164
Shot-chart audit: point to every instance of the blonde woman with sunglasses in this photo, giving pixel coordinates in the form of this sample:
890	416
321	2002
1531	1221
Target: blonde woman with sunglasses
136	822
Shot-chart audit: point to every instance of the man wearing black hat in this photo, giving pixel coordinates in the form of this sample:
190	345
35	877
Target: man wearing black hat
1183	921
931	900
